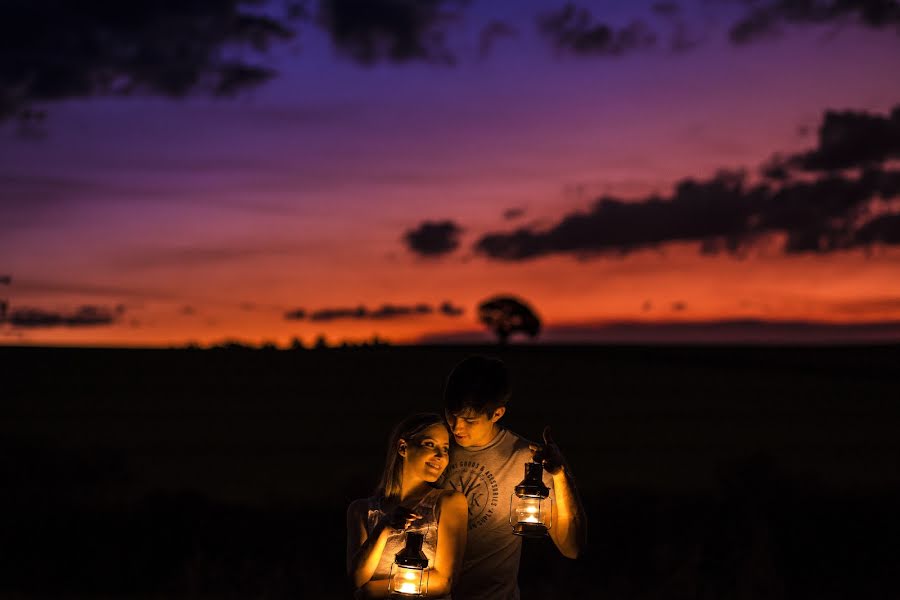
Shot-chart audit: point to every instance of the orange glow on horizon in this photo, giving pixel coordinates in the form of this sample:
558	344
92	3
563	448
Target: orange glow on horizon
673	284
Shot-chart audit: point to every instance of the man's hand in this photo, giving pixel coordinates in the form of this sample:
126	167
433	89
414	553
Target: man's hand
548	454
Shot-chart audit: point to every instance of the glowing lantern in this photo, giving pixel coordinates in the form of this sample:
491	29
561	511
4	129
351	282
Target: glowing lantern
530	506
408	573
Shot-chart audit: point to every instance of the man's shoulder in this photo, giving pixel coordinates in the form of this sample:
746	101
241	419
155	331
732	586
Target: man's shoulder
511	446
517	442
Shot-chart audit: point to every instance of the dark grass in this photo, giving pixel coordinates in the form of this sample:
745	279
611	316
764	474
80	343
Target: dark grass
707	472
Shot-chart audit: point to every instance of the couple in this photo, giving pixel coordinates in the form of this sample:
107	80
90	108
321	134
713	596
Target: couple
457	494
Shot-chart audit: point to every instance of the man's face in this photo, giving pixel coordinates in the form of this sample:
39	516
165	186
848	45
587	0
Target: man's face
470	428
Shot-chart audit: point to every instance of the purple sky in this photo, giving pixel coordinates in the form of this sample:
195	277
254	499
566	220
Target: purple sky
202	218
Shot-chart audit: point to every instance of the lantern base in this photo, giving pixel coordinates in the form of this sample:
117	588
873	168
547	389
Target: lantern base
532	530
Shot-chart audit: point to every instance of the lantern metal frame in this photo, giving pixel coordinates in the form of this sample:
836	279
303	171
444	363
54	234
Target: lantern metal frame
532	487
410	558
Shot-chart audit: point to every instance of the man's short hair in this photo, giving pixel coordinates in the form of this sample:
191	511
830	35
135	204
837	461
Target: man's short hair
479	384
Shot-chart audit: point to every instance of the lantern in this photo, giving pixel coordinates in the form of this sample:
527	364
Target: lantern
530	506
408	573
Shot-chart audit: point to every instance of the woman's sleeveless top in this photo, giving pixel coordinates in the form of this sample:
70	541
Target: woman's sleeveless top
427	525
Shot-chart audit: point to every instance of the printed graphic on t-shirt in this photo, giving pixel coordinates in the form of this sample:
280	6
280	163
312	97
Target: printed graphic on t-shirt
480	488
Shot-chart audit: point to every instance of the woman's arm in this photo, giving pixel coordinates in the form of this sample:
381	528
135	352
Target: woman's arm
363	551
451	542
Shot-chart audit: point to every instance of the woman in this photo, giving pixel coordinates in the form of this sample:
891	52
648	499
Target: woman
408	499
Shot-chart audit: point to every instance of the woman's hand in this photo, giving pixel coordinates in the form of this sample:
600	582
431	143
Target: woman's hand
399	518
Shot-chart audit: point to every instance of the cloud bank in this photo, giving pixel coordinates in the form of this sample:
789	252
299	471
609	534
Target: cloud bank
371	31
767	19
382	313
810	198
53	50
85	316
433	238
572	30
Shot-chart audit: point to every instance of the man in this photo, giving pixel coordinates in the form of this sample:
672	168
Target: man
487	461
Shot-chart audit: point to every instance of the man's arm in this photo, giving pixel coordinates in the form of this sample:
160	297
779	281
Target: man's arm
568	526
568	529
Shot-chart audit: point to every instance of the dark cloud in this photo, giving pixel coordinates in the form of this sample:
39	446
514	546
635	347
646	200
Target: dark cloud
386	311
679	306
51	50
370	31
86	316
765	19
433	238
696	211
723	214
382	313
825	213
820	216
390	311
851	139
334	314
447	308
884	229
776	169
491	33
511	214
572	30
5	279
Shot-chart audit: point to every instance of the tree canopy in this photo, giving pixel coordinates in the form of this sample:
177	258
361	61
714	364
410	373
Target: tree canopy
506	315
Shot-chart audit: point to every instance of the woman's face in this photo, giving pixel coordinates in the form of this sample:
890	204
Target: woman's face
427	456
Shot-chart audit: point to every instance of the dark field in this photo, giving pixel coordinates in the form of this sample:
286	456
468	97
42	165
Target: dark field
708	473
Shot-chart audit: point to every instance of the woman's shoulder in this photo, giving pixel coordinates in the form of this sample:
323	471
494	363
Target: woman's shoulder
452	499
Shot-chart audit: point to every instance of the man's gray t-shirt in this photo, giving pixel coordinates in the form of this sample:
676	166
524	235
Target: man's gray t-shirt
488	475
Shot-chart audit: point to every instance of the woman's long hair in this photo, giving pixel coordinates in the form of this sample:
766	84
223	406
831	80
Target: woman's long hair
409	429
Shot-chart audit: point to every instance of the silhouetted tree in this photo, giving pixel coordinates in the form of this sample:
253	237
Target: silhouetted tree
506	315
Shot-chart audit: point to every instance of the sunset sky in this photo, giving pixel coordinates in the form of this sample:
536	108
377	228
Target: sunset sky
533	148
